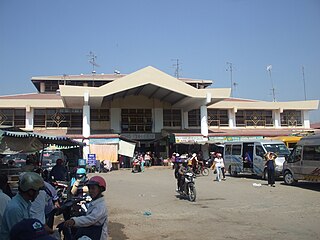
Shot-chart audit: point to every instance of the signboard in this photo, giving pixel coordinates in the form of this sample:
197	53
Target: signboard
91	159
191	139
234	138
139	136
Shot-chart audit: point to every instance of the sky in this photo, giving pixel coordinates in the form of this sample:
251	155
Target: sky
45	37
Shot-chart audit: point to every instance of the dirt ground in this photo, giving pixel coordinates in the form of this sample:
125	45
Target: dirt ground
145	206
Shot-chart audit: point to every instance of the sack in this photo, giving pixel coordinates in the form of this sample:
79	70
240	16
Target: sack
213	166
215	171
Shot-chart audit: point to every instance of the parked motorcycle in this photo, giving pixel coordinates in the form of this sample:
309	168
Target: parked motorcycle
188	187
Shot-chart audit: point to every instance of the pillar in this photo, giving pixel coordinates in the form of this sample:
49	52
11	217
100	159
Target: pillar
29	118
232	117
204	121
276	117
86	117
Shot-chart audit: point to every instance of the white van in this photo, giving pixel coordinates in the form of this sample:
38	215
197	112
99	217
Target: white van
248	156
304	161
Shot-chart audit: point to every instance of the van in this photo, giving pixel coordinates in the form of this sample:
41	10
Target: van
49	158
289	141
248	156
304	161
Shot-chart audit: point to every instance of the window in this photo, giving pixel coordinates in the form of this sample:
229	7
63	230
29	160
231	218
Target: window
194	118
136	120
296	154
291	118
254	118
51	86
218	117
13	117
99	115
227	149
280	149
52	117
236	149
171	117
259	151
311	153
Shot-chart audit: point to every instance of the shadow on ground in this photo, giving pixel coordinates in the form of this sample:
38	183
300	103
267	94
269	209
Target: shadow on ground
314	186
116	231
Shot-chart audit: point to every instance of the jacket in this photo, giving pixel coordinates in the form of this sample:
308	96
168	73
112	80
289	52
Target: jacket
97	215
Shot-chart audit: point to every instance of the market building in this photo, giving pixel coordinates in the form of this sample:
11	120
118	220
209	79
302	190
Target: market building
147	110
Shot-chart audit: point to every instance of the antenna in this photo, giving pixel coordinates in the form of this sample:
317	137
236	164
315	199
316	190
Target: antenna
177	68
92	60
304	84
232	84
269	68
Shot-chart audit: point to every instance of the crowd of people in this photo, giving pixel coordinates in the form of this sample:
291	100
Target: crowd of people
191	162
29	214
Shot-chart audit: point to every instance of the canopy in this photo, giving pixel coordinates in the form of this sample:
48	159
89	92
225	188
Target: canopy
16	142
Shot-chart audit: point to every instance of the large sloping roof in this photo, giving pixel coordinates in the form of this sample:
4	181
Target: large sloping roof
151	83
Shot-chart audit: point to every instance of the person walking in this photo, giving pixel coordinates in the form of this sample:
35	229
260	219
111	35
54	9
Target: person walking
270	164
18	208
217	166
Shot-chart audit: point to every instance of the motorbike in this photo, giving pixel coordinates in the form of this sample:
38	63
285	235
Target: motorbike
74	207
136	167
188	187
62	189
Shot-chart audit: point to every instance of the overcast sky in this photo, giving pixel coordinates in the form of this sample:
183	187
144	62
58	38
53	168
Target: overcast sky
45	37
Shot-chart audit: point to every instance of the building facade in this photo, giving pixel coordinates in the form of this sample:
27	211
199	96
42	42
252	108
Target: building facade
145	107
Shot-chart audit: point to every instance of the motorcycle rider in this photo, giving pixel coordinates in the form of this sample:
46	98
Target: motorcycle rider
95	223
182	170
78	184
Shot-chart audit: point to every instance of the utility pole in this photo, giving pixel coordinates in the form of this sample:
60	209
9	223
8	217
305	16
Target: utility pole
92	60
231	80
177	68
304	84
269	68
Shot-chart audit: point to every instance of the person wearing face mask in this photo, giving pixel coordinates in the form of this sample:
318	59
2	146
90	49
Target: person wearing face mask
95	223
18	208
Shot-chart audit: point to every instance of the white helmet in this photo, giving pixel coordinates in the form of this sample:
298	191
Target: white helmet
30	180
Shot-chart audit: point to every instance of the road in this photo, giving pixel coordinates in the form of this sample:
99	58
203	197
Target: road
145	206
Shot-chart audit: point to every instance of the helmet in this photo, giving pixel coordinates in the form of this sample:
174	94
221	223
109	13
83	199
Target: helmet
218	154
194	155
177	155
30	180
97	180
81	172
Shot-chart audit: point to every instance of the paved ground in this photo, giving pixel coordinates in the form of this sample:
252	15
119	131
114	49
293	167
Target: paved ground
234	209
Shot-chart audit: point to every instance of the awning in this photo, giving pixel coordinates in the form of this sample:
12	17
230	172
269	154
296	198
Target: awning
28	142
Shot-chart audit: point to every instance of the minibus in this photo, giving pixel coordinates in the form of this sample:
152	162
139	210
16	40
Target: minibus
304	161
248	156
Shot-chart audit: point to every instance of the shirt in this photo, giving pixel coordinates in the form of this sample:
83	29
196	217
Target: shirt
4	199
17	209
219	162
